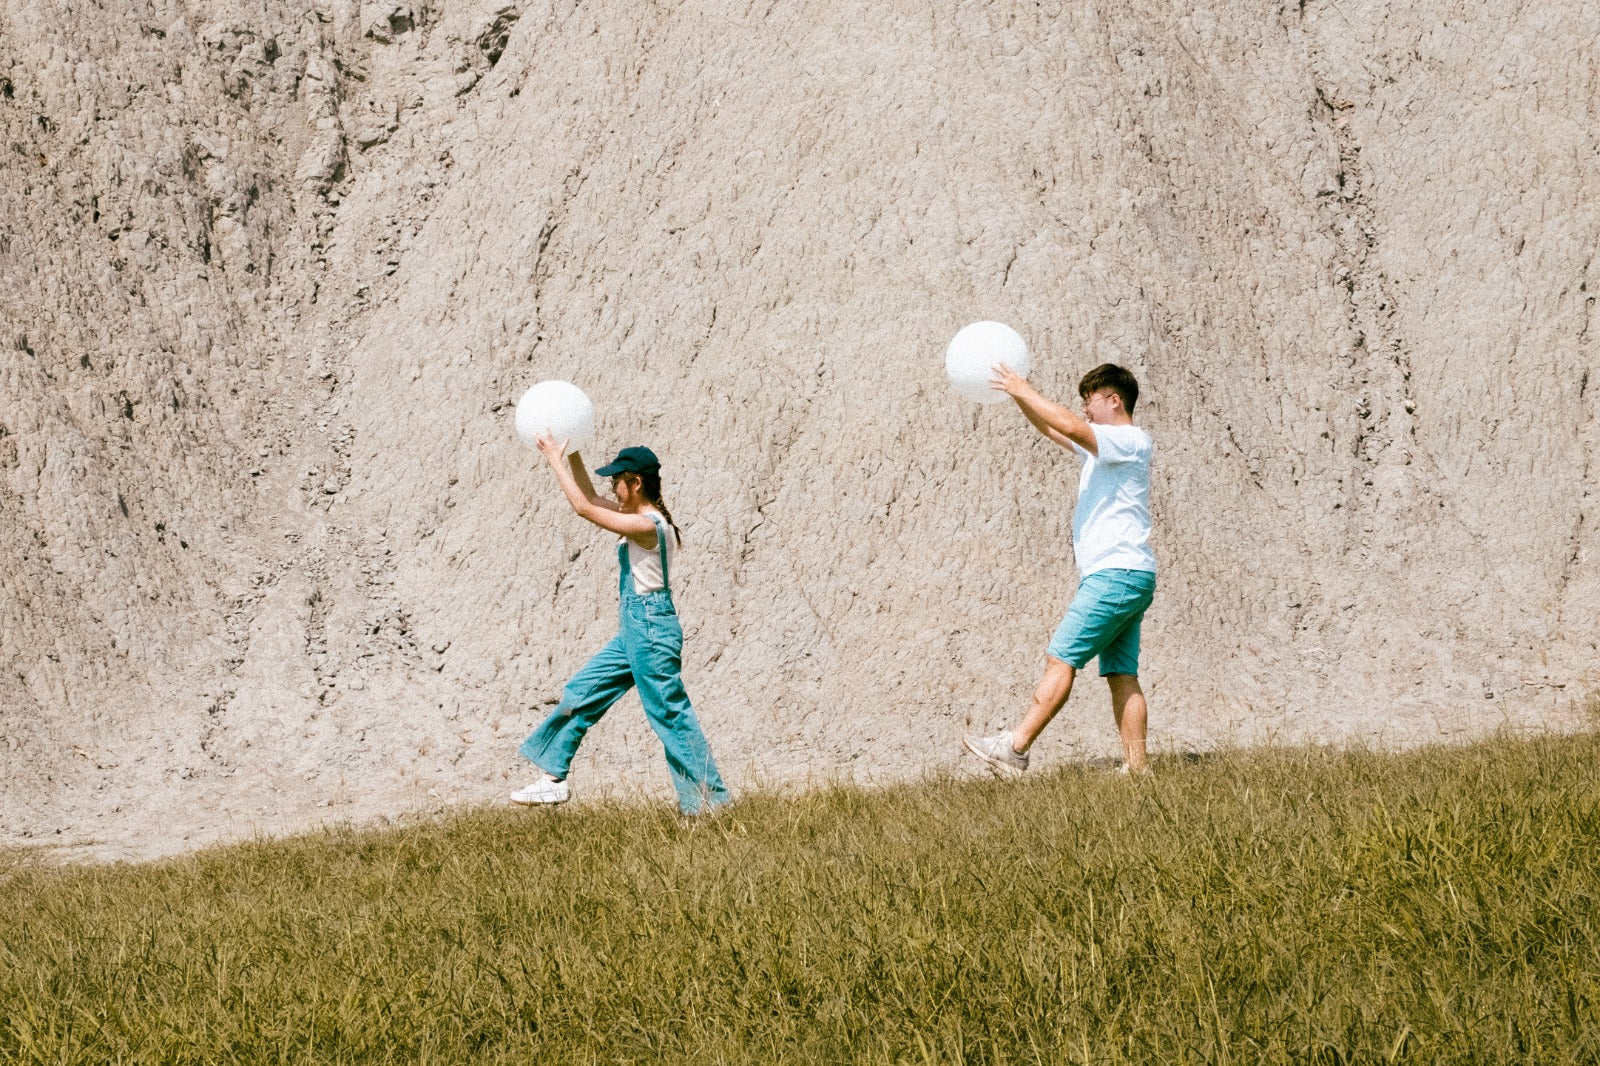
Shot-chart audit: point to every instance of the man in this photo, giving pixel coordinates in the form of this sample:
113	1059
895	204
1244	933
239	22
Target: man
1117	572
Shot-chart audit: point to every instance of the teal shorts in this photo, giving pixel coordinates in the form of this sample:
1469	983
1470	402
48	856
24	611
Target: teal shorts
1103	619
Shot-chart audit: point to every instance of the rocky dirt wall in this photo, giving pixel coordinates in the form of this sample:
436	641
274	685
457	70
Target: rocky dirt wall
270	282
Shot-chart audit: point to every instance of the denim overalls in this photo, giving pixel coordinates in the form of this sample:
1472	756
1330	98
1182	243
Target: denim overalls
647	651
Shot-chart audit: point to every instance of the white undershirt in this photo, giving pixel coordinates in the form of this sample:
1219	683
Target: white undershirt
645	563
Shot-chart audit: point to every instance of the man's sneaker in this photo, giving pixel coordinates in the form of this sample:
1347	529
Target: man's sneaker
997	752
543	790
1124	770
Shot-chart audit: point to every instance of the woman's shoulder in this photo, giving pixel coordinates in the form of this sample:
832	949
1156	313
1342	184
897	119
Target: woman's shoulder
665	529
663	526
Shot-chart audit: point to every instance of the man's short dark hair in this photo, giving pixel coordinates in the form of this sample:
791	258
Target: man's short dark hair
1113	377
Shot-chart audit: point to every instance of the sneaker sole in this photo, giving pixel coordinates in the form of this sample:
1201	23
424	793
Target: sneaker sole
537	802
989	760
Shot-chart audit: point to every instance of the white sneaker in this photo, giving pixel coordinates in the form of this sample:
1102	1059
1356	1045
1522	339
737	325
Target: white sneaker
543	790
997	752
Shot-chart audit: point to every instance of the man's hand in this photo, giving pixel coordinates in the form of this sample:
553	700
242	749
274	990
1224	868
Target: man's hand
1008	381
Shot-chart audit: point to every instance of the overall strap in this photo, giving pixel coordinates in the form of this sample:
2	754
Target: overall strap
624	569
661	546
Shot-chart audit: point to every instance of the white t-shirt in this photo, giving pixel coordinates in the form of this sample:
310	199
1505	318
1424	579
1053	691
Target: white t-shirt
1111	524
645	564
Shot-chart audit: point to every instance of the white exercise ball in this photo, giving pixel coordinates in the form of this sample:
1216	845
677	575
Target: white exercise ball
558	408
970	360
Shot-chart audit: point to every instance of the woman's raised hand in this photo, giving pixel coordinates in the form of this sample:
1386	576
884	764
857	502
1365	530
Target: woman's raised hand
551	448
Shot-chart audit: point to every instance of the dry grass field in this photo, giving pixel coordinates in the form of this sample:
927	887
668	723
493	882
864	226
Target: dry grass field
1290	905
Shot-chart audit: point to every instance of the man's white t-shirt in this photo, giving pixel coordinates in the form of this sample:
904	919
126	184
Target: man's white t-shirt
1111	524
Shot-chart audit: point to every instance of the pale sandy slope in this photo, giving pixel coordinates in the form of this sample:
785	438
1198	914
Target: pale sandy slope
271	277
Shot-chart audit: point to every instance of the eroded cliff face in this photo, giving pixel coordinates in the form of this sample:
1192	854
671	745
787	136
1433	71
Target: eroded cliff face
271	279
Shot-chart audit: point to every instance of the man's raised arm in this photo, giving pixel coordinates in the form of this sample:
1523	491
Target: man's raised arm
1059	423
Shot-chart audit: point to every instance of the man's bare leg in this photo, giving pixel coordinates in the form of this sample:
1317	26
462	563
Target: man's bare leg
1133	716
1049	696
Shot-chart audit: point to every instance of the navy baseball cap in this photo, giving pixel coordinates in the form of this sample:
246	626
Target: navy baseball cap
634	460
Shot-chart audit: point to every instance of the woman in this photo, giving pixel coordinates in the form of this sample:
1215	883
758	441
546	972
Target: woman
648	648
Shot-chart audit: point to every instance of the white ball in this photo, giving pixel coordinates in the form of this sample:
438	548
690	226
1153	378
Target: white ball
559	408
970	359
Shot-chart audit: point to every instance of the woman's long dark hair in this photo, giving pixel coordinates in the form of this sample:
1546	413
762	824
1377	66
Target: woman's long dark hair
650	485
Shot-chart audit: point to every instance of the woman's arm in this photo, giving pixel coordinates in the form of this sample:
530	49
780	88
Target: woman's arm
580	474
603	513
1056	422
